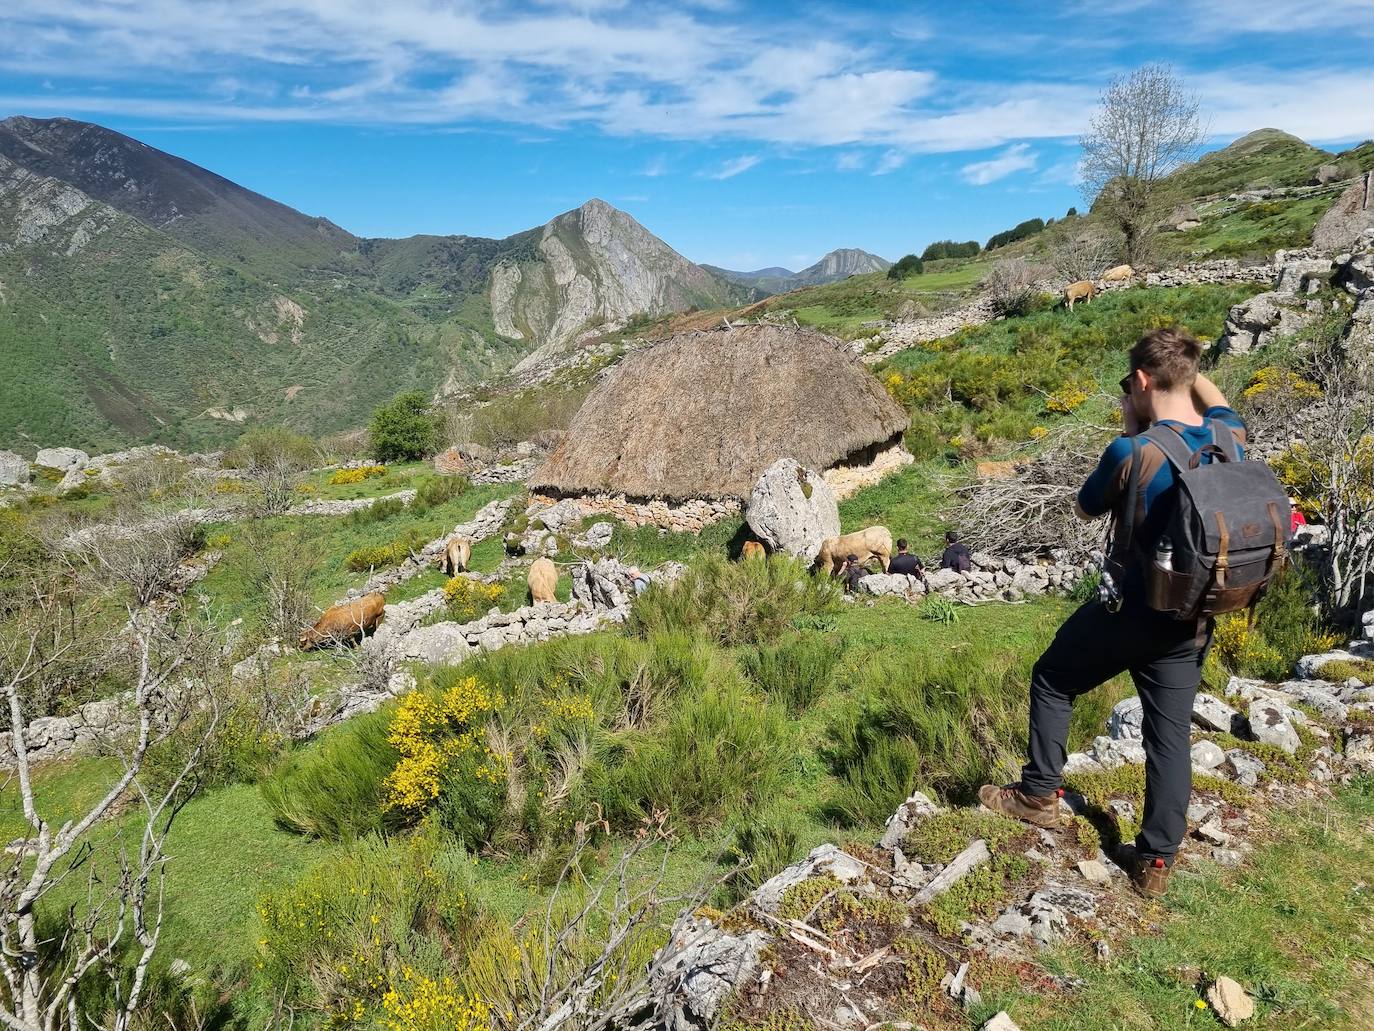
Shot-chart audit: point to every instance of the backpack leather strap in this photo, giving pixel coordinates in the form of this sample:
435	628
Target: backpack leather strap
1279	555
1222	547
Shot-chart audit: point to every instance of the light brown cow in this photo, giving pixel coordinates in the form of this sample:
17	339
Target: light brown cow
753	549
457	554
543	580
346	623
874	542
1083	291
1118	274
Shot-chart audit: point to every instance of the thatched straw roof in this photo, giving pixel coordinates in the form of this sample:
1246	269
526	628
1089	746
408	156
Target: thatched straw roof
702	414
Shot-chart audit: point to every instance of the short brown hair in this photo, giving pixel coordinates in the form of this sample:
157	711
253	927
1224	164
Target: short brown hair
1170	356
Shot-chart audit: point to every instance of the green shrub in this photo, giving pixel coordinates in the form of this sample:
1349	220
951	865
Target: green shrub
797	671
939	609
436	490
942	722
337	940
735	603
762	846
721	753
266	446
381	556
377	512
404	429
333	789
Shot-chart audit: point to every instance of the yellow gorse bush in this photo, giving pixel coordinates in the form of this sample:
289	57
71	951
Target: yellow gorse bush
1239	645
358	474
420	1003
468	599
1069	397
1273	379
433	735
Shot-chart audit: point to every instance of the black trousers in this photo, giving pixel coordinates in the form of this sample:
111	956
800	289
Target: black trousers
1164	657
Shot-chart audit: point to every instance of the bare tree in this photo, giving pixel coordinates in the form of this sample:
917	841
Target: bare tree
1079	252
1146	126
1333	465
119	914
1011	286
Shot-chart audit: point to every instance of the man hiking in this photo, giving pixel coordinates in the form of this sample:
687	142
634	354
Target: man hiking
1163	654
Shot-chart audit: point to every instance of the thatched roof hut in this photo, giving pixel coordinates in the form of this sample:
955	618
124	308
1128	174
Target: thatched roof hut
703	414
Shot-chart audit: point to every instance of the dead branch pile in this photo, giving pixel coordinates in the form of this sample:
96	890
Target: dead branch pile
1033	512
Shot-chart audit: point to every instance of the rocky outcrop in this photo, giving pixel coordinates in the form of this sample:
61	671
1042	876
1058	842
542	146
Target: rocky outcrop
1347	218
792	510
594	268
14	469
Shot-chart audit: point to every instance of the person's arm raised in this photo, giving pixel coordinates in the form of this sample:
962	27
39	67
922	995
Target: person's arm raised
1206	395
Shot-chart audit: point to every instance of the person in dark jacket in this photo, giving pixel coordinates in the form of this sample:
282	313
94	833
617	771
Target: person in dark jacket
956	556
904	563
852	573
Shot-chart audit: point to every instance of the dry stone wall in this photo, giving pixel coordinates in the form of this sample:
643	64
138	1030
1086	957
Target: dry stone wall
992	578
681	517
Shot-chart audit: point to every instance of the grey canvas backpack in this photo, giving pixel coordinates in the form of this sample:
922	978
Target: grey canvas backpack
1226	537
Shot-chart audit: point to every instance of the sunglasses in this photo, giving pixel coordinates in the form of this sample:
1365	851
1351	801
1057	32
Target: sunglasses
1126	382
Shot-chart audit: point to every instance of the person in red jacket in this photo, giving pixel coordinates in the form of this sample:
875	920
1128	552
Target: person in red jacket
1298	518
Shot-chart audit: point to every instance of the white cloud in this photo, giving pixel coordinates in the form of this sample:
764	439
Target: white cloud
849	161
735	166
1016	158
890	162
655	168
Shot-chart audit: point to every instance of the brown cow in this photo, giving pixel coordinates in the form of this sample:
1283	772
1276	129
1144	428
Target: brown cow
457	554
345	623
874	542
1118	274
1083	291
753	549
543	580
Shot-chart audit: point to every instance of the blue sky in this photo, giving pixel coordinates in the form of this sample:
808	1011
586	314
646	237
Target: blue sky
744	134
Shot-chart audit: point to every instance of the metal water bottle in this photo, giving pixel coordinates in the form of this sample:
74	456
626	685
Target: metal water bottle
1164	554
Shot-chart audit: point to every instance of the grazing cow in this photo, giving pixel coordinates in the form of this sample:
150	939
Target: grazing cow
1118	274
457	554
543	579
753	549
874	542
1083	291
346	623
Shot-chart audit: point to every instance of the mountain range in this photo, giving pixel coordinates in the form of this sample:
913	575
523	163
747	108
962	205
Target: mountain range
838	264
145	298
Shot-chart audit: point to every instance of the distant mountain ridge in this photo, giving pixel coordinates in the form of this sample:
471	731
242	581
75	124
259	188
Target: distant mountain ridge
840	263
143	297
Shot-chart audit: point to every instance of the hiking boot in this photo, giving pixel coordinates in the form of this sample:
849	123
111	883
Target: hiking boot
1149	874
1037	810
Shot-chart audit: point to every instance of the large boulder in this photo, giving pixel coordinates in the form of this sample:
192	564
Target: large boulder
14	469
792	509
1256	322
1352	213
62	458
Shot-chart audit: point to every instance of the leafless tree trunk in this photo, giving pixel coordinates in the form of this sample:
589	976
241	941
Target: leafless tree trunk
1147	125
120	912
1337	461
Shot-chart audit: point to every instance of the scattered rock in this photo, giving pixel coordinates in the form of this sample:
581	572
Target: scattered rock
821	861
1244	767
792	509
916	808
14	470
1001	1022
1094	872
959	867
1082	762
1212	833
62	459
1226	857
1350	215
1112	754
1127	719
1208	755
1229	1001
1269	724
703	968
1211	713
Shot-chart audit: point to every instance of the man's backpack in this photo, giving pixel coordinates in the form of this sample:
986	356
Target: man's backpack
1229	528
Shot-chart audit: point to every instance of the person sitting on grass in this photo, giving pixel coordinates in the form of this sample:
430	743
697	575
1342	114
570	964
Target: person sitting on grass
956	556
903	562
852	573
